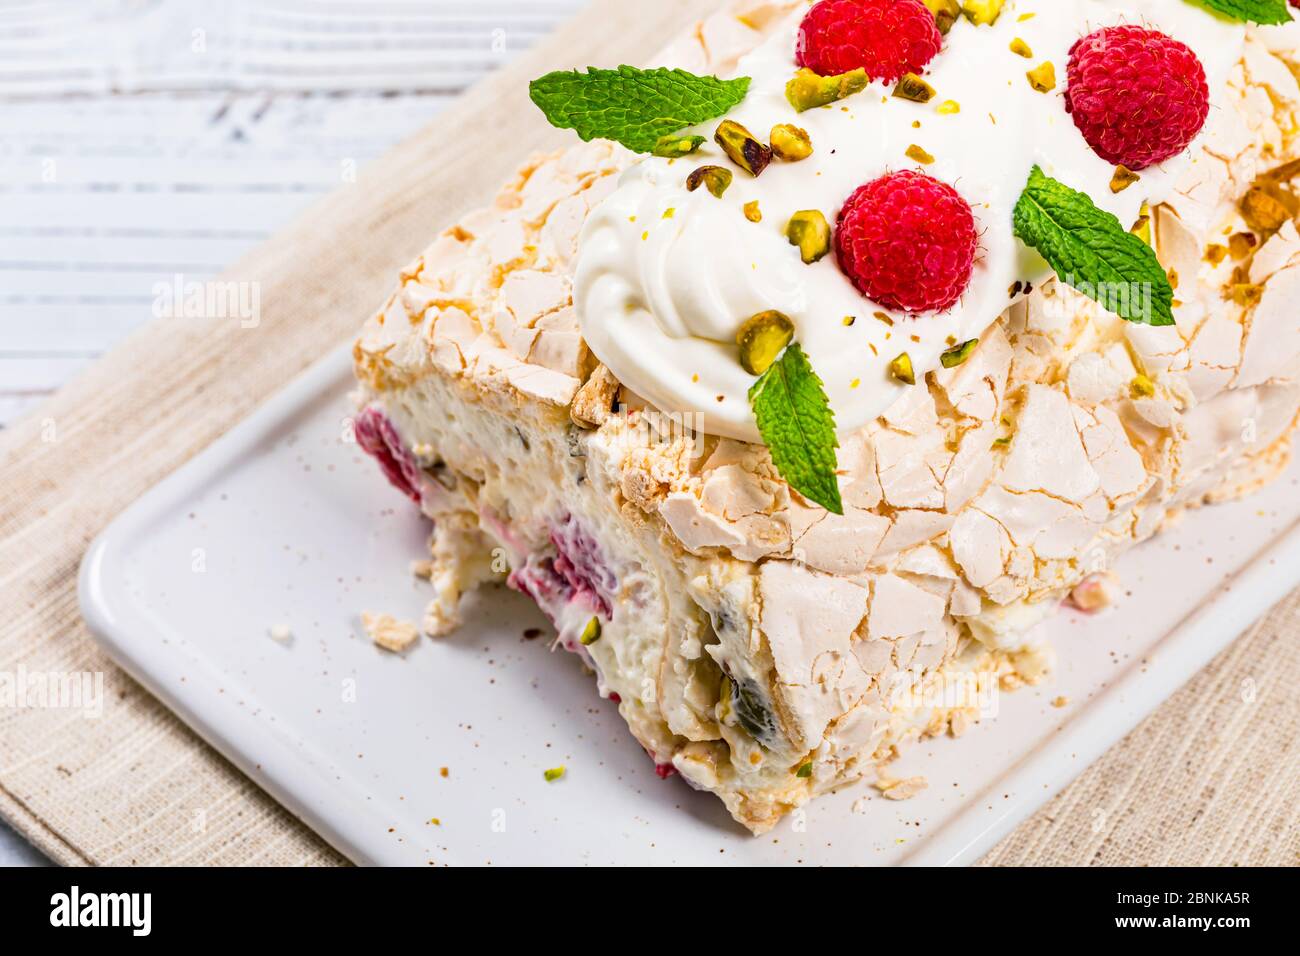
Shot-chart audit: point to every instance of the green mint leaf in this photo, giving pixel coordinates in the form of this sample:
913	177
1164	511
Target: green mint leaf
1092	251
637	108
795	419
1250	11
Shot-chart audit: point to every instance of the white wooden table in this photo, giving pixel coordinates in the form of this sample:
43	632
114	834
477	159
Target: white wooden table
145	139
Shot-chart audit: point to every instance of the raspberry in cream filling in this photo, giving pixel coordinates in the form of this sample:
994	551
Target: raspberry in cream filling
667	275
378	437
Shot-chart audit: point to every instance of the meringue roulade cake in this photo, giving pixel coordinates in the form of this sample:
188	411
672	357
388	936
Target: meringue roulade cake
848	341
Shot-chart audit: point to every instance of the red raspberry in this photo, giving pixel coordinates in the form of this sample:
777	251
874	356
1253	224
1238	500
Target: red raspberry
908	242
377	435
887	38
1137	95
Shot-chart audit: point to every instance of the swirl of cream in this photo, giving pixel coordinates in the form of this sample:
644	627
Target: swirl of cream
667	276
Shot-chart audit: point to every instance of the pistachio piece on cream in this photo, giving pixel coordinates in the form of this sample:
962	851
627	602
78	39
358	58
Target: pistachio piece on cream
1123	179
809	230
982	12
791	143
762	339
673	146
912	87
742	148
901	368
716	179
1043	77
945	13
808	90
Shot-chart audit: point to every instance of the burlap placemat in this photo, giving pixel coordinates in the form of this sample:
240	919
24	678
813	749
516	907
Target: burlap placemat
1211	778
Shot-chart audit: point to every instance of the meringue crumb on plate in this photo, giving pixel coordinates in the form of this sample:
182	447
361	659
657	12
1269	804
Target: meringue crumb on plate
388	632
900	789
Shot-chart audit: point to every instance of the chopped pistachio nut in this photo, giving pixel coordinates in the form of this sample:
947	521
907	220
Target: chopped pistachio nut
1142	228
808	90
762	339
590	633
809	230
714	178
554	774
1043	77
804	771
945	13
901	369
919	155
726	691
912	87
1246	294
1215	254
1241	244
1266	207
982	12
1123	179
958	354
752	212
1142	387
742	148
791	143
948	108
673	146
1020	48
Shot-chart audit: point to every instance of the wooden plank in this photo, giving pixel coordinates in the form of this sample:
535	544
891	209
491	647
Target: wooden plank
105	196
67	327
25	375
15	405
313	45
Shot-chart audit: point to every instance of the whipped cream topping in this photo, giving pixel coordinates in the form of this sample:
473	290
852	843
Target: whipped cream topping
665	276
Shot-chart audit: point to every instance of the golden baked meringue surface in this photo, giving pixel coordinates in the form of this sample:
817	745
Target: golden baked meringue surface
973	504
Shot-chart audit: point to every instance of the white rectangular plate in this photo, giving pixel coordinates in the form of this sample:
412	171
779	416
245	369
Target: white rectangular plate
284	523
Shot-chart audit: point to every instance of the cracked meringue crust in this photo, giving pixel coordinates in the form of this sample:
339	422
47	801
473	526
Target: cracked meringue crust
757	644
